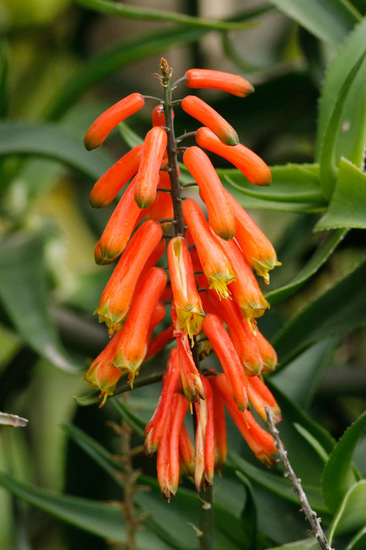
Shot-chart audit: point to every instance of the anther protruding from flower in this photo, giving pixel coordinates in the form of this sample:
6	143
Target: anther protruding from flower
199	110
117	295
155	427
168	452
102	375
245	288
191	380
133	337
205	443
187	301
108	120
228	357
119	228
214	261
261	442
220	217
111	183
147	178
257	249
260	397
250	164
227	82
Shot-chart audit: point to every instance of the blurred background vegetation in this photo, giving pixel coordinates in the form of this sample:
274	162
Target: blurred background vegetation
62	63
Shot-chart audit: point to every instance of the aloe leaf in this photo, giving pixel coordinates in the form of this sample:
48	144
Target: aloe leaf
347	206
294	188
49	141
327	155
338	310
23	292
339	475
135	12
320	256
300	378
351	516
329	20
350	136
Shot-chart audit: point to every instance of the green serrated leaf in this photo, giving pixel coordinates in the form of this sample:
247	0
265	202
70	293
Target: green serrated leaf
136	423
347	137
329	20
23	292
339	475
327	155
103	520
318	448
351	515
130	137
358	542
347	206
135	12
320	256
300	378
95	451
294	188
49	141
338	310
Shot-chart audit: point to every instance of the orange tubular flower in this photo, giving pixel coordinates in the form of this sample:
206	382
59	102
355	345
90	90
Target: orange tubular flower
117	295
228	357
158	116
219	425
257	249
108	120
133	337
191	381
160	341
260	397
241	334
119	228
205	443
187	301
250	164
268	353
220	216
111	183
261	442
147	178
227	82
214	261
102	375
162	207
168	452
186	452
155	427
245	288
199	110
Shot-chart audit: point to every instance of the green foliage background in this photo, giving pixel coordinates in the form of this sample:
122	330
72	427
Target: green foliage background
62	63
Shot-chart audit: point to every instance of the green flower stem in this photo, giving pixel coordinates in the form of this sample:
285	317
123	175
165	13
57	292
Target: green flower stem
207	520
172	150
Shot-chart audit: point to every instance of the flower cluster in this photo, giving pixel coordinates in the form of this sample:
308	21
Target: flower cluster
211	289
